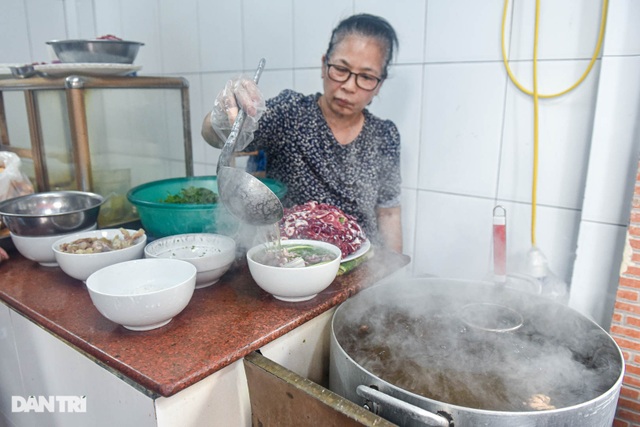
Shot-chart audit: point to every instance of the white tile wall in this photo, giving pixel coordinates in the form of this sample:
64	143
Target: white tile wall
565	129
453	235
110	21
312	25
180	44
578	20
623	35
220	37
400	100
13	22
79	21
268	33
461	126
46	21
467	132
308	80
463	30
408	19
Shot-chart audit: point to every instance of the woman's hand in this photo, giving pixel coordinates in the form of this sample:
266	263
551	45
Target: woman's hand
237	93
3	255
243	92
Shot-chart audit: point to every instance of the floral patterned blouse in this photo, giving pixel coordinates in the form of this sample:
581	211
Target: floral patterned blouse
302	152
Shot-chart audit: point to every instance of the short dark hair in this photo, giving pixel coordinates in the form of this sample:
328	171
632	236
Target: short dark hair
369	26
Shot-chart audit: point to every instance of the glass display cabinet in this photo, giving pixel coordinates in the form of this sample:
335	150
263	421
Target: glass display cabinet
104	134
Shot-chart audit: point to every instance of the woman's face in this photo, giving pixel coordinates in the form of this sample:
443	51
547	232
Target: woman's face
359	54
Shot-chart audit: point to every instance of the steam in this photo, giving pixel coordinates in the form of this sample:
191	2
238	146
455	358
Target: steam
245	235
413	335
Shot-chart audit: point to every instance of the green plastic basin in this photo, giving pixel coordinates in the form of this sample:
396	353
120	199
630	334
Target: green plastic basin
161	219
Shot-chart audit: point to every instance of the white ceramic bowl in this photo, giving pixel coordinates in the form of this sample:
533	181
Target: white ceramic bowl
294	284
142	294
81	266
211	254
39	248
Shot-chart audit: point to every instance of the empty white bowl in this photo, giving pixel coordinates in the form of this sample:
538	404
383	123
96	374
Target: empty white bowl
39	248
294	284
142	294
211	254
81	266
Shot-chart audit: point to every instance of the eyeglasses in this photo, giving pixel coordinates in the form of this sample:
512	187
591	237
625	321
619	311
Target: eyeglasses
341	74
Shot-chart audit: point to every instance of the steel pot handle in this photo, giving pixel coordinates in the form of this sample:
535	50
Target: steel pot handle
381	399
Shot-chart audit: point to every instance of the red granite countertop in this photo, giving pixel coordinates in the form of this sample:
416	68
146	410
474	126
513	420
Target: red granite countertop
221	324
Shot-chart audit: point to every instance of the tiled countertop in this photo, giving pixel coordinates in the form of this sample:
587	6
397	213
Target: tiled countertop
221	324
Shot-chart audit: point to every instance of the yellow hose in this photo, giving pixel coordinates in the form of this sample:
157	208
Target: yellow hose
536	95
534	189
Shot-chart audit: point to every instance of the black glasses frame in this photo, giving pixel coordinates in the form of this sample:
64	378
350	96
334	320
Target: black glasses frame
351	73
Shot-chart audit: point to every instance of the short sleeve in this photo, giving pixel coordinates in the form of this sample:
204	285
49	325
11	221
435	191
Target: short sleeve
390	177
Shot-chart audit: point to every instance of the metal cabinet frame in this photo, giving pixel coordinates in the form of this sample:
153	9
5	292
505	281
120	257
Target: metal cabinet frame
74	86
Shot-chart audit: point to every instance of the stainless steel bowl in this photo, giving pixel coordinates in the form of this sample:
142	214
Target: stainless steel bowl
51	213
103	51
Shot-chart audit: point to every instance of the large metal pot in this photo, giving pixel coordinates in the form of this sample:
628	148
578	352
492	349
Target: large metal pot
442	352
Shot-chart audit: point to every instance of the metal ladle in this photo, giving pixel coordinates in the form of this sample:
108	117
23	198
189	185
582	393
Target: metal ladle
491	317
246	197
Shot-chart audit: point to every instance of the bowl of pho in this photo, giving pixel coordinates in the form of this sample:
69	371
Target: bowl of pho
294	270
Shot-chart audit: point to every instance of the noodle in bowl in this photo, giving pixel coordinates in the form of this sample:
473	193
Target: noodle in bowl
294	282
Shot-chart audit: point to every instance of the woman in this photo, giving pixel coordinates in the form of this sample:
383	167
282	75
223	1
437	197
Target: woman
328	147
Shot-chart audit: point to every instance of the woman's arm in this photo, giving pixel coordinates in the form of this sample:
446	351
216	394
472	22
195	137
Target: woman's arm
390	227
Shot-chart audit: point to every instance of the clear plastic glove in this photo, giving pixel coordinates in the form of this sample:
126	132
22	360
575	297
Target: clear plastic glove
239	92
13	182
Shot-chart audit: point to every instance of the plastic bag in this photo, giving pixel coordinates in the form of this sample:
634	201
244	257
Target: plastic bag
13	182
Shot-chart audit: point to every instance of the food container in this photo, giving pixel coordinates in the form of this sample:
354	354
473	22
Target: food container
420	353
96	51
40	248
212	254
51	213
294	284
162	219
82	265
142	294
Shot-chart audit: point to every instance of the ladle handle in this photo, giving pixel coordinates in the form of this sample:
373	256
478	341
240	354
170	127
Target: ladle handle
230	143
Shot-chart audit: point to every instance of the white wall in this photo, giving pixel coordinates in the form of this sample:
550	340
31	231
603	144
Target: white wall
467	130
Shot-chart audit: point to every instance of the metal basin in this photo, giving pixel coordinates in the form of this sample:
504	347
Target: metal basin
96	51
51	213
